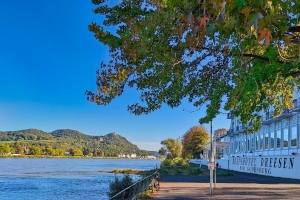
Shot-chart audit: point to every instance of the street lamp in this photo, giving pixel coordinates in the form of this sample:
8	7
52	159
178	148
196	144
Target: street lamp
211	163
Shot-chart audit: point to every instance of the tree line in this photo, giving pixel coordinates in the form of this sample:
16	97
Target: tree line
65	142
27	149
190	145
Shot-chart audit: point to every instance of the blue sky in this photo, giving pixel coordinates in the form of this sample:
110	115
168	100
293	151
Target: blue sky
48	59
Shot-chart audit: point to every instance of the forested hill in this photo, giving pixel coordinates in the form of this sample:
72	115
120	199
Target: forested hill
67	139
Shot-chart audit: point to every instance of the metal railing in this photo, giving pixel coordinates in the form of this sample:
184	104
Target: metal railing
133	191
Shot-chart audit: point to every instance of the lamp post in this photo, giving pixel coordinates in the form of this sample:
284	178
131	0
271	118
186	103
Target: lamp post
211	160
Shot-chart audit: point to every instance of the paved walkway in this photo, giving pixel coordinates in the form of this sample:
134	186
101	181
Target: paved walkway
239	186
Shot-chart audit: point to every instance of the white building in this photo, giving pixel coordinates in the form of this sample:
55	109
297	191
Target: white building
272	151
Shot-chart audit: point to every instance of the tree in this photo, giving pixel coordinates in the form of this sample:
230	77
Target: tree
50	150
77	152
193	141
118	184
173	147
35	150
219	133
4	148
85	152
235	55
162	151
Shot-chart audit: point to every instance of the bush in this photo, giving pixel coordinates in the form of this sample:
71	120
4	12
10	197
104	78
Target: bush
180	162
118	185
167	162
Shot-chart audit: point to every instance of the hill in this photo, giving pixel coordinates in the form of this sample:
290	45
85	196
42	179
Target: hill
67	140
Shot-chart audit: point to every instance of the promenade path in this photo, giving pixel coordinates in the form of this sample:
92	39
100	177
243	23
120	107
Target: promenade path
239	186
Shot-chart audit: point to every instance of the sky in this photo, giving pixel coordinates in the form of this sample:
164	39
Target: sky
48	60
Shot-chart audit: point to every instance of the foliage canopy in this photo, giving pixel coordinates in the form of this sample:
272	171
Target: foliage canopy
193	140
173	147
237	55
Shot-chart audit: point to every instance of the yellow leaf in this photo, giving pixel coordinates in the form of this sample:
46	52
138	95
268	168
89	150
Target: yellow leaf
246	12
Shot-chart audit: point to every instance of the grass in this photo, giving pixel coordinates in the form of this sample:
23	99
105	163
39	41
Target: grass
125	171
191	169
148	194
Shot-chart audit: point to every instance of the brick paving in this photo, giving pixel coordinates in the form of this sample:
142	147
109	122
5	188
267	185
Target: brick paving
239	186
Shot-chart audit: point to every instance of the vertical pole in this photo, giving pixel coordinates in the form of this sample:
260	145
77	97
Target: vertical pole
215	181
210	160
200	160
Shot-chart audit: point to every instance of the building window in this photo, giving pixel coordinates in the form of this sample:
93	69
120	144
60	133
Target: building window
285	137
267	141
272	140
248	145
256	143
261	141
236	146
294	136
278	138
242	146
252	143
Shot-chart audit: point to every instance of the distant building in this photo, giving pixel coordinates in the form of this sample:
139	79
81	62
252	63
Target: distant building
151	157
133	155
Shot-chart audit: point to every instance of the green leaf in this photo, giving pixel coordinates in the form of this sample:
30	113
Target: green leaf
274	18
211	28
230	24
240	3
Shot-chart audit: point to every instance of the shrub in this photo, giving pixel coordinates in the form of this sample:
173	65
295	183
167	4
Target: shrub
181	162
118	185
167	162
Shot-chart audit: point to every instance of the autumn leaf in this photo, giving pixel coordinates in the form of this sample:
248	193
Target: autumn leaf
266	35
202	21
246	12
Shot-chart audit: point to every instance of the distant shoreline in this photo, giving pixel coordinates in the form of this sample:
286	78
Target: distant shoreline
75	157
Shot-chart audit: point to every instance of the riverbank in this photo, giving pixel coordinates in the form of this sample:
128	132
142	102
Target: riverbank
76	157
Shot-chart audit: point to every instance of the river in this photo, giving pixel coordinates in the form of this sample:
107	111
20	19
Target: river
61	179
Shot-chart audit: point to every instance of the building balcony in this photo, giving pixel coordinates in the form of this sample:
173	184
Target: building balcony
285	113
268	119
230	131
296	105
233	131
230	116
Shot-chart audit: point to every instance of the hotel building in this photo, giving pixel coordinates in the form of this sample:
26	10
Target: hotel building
272	151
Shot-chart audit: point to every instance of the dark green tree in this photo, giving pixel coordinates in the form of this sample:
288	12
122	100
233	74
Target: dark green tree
162	151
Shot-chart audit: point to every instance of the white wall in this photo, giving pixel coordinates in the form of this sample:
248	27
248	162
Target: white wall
272	165
222	162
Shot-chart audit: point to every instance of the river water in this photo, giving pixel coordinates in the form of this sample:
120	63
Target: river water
62	179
